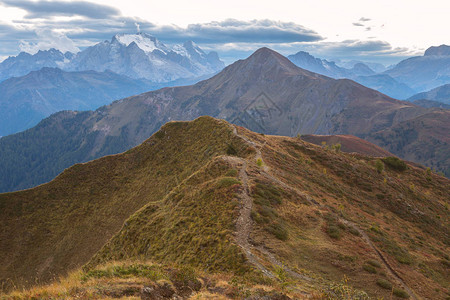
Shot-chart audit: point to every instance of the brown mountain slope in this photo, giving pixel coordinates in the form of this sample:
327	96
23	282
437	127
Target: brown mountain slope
265	93
415	139
349	143
263	210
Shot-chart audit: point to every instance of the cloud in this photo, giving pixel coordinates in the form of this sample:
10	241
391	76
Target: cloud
10	38
373	50
90	23
227	31
49	39
47	9
232	30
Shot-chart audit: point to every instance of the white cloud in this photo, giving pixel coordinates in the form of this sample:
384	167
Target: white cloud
49	39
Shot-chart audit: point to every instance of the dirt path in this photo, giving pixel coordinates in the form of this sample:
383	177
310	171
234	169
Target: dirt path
383	259
244	222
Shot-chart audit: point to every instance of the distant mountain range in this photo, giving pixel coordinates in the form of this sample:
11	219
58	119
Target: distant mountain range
265	92
26	100
359	72
127	65
133	55
401	81
423	73
439	94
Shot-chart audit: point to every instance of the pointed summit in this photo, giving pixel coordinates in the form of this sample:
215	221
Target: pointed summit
267	63
268	56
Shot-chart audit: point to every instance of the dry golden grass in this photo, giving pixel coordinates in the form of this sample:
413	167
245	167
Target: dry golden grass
178	202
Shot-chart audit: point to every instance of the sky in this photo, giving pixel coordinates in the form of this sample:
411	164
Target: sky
384	31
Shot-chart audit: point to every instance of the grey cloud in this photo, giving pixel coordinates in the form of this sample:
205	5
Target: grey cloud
46	9
232	30
373	50
10	38
362	19
228	31
357	24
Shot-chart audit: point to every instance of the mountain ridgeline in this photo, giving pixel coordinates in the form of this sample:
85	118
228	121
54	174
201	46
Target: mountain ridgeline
238	213
265	92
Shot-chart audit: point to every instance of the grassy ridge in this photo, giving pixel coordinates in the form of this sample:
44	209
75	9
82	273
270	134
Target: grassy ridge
59	226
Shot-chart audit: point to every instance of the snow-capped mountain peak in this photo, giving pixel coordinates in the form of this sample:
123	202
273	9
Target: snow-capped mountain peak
144	41
134	55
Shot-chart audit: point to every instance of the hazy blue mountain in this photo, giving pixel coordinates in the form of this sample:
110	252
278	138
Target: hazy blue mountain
24	63
385	84
358	72
308	62
440	94
26	100
376	67
426	72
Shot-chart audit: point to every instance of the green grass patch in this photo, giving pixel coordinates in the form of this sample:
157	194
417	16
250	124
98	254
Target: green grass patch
395	163
278	231
374	263
400	293
384	283
369	268
334	232
232	173
227	181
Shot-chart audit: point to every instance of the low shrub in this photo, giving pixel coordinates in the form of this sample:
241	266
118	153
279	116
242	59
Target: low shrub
231	150
400	293
227	181
278	231
374	263
384	284
395	163
379	166
370	269
259	162
334	232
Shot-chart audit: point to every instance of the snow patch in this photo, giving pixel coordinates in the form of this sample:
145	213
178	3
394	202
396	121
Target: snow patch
145	42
